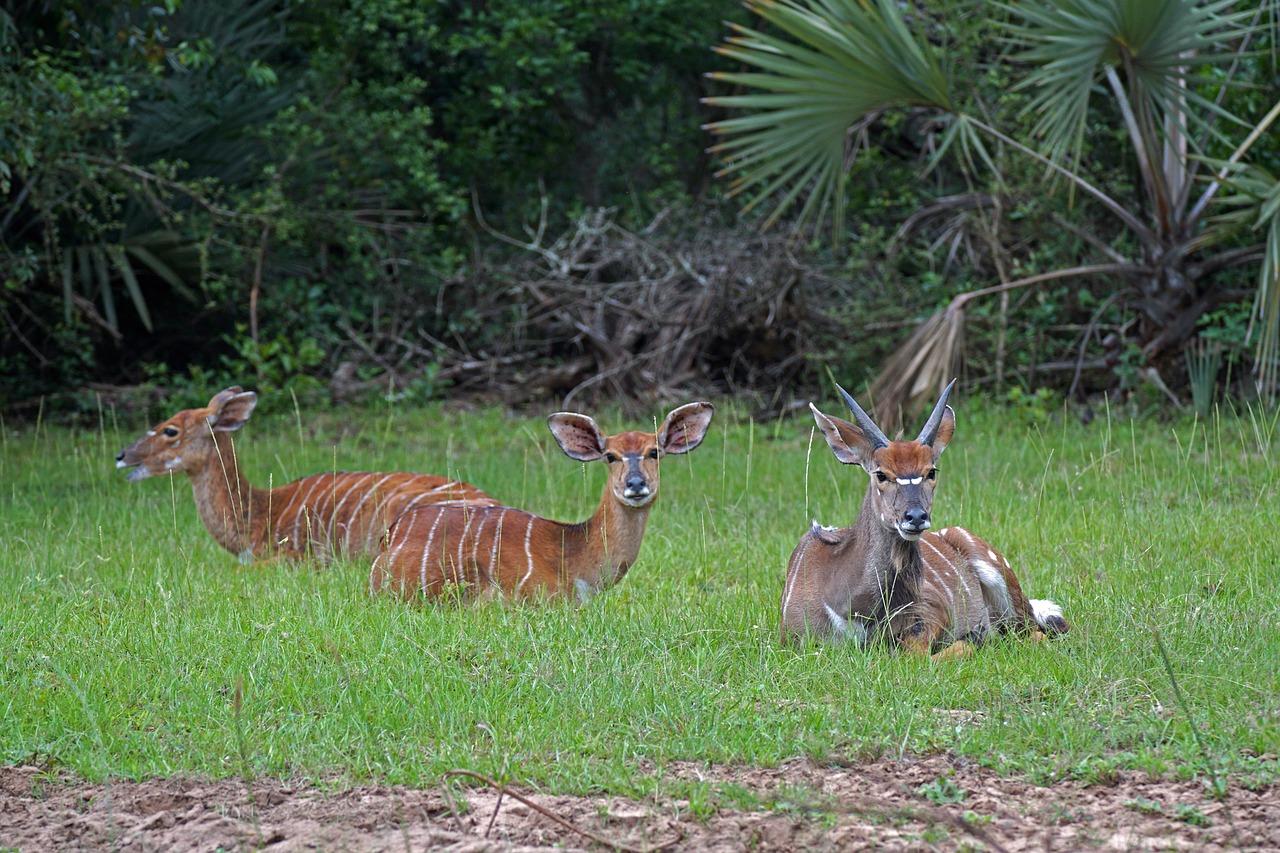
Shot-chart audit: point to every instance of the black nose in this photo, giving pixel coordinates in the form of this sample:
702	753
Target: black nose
636	483
120	456
916	517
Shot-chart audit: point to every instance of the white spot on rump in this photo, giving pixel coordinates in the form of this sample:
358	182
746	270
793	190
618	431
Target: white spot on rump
994	588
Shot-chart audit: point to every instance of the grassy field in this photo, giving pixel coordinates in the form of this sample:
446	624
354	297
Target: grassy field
132	646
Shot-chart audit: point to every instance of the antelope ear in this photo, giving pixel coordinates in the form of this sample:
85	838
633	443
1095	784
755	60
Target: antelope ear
846	441
577	435
946	429
685	427
230	413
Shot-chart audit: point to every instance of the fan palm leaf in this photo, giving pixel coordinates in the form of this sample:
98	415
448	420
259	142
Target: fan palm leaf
848	60
835	64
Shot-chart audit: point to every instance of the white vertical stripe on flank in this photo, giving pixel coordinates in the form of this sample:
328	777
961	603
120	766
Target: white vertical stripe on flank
354	480
462	543
426	551
494	553
793	572
528	534
355	513
994	584
298	513
475	543
946	587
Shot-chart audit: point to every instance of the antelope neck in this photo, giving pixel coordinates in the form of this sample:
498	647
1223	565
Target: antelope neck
601	549
897	562
234	512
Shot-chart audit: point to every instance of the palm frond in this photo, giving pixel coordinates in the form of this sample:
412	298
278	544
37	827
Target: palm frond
919	369
843	60
1158	45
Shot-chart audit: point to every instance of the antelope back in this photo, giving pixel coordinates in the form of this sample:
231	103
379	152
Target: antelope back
187	441
349	512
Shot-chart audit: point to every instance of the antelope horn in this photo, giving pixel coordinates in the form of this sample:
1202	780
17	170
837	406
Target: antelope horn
930	431
869	429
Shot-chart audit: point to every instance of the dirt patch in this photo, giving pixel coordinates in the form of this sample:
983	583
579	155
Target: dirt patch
926	804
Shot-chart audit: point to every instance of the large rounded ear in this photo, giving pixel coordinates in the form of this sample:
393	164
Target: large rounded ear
577	435
946	429
685	427
223	396
228	413
849	444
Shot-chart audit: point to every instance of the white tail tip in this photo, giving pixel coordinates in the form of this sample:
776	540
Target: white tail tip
1048	615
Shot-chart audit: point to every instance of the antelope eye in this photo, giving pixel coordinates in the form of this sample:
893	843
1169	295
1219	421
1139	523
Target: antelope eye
653	454
610	458
881	478
933	474
171	431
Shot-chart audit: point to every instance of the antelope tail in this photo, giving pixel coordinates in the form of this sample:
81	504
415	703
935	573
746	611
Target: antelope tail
1048	616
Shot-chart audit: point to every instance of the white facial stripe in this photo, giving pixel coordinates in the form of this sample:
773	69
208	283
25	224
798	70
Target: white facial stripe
151	432
909	481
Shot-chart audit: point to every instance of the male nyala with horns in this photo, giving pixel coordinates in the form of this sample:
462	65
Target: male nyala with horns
888	573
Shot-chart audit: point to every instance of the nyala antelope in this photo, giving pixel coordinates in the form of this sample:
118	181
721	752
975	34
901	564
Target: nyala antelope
888	574
323	515
481	553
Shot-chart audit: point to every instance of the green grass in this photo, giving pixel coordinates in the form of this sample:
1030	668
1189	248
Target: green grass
124	630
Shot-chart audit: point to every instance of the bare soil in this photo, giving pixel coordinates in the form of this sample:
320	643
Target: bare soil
799	806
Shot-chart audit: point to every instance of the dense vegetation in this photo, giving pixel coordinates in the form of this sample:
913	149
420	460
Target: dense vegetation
394	193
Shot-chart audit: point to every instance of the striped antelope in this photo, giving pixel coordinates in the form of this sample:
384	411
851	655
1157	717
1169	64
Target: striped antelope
494	552
888	574
323	515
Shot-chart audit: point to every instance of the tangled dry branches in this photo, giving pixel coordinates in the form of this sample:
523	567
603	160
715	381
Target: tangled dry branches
606	312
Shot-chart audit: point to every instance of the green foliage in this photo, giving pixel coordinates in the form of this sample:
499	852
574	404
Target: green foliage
115	171
1032	407
1109	78
1191	814
164	159
941	791
1145	806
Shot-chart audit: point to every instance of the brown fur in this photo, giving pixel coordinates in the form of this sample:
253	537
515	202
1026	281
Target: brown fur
886	575
323	515
505	552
